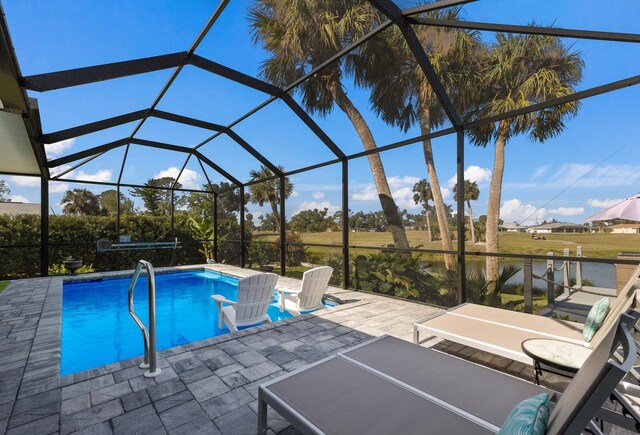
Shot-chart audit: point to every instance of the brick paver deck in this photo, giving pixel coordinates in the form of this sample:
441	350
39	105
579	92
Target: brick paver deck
208	386
205	387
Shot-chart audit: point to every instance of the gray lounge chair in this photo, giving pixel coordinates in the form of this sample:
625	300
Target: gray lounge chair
627	394
387	385
501	332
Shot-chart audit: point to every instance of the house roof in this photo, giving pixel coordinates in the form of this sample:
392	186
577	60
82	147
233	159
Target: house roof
556	225
16	208
513	225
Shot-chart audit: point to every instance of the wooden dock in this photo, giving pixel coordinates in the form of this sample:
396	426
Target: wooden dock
575	304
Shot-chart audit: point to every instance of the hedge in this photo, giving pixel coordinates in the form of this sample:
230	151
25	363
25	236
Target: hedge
77	235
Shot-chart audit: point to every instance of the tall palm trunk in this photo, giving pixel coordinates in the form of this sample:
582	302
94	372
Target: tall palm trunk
471	226
389	208
276	215
429	235
493	210
438	202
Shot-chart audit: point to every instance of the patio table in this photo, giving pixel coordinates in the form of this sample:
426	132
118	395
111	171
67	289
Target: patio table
557	354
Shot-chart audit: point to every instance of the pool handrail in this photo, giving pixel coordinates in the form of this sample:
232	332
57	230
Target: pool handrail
148	335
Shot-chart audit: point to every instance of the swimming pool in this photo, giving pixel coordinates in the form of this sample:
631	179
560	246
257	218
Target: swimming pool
97	328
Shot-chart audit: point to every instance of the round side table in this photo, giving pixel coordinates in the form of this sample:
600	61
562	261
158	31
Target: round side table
558	354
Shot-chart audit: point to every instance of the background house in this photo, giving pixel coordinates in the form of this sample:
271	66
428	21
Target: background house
633	228
557	227
513	227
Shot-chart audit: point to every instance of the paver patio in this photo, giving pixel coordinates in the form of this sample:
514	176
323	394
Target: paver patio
208	386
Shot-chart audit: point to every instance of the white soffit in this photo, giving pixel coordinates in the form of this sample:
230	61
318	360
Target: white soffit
16	154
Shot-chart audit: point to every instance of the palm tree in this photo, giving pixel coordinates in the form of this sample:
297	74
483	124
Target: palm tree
269	191
471	193
402	96
80	202
301	35
521	70
422	193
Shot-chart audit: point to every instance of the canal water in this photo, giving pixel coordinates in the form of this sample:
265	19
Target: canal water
599	274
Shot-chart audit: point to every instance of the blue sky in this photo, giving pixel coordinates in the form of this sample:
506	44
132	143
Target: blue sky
594	159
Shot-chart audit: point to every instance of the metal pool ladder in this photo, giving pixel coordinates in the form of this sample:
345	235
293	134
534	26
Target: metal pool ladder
148	335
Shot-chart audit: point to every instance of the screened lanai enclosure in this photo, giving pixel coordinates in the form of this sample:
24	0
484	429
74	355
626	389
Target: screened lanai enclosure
282	135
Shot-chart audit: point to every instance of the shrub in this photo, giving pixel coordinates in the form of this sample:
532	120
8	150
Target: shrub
295	254
388	273
21	231
77	235
59	269
262	254
335	261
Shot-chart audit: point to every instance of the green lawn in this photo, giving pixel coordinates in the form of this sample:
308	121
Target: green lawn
593	245
516	302
3	285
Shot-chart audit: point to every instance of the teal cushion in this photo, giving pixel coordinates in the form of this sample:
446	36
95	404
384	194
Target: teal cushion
529	417
595	318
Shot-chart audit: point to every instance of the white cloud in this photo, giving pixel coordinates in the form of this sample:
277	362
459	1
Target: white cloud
396	181
316	187
54	187
572	170
59	169
513	210
567	211
404	198
55	149
588	175
58	187
18	198
188	179
580	175
172	172
294	194
320	205
477	174
603	203
318	195
446	193
25	181
401	191
540	171
472	173
368	193
101	175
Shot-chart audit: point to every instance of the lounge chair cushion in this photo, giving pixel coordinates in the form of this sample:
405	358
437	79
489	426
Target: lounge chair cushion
529	417
595	318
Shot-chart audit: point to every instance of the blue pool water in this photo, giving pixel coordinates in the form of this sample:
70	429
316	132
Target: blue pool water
97	328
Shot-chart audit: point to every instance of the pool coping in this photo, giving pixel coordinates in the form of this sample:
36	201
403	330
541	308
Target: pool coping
48	337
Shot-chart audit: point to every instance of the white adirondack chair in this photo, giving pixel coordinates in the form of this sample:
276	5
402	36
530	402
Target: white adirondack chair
309	296
255	294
